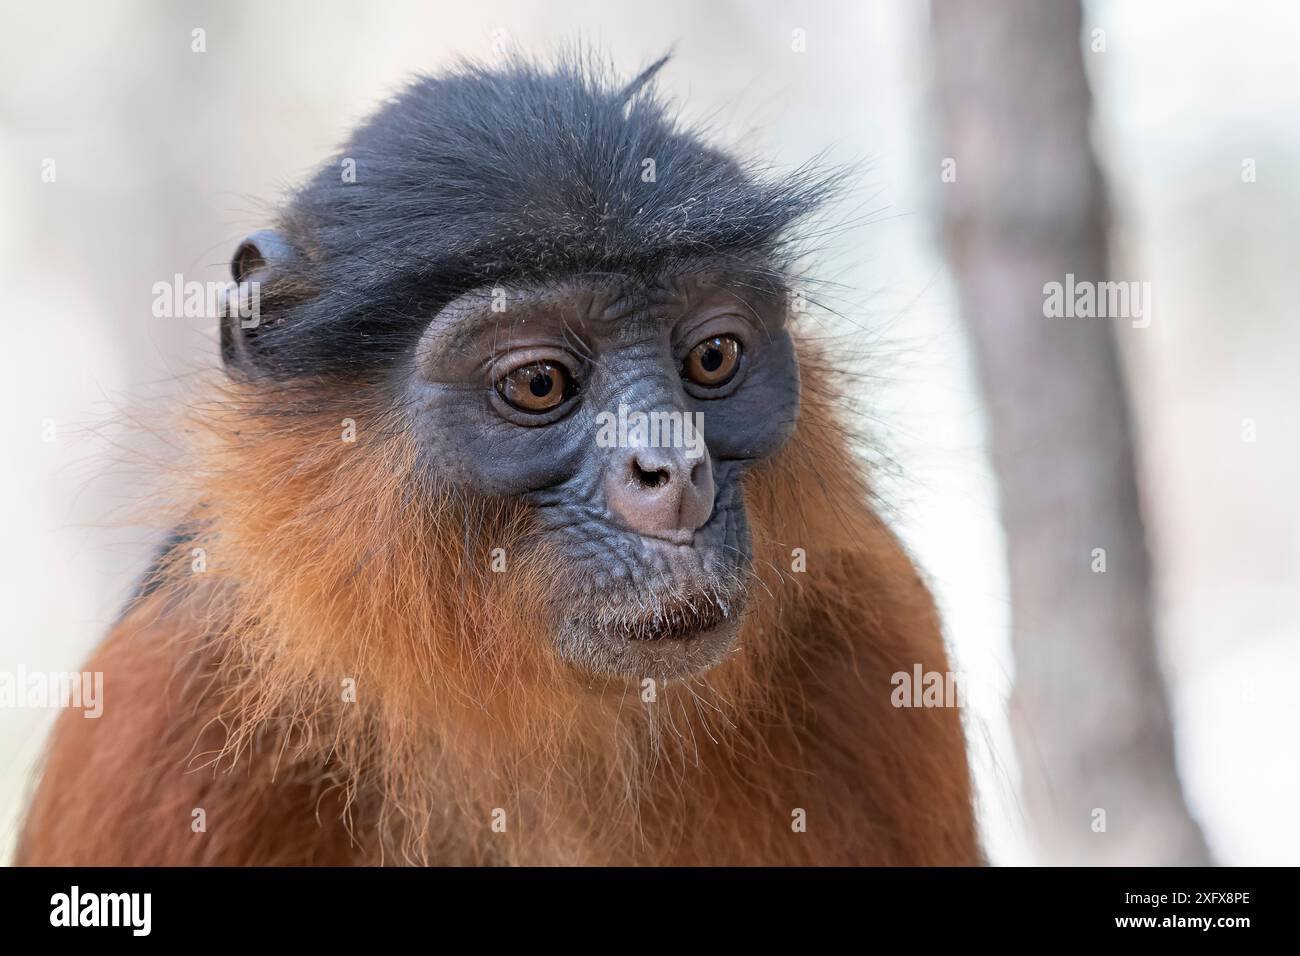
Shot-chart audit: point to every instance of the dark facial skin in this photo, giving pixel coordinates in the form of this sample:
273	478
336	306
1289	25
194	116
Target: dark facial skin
654	541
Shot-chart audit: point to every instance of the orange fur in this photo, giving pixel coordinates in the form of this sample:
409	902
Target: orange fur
329	560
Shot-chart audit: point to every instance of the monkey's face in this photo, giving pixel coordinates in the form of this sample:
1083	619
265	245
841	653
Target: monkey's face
622	417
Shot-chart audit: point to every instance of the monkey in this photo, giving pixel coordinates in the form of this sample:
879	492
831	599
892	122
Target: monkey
436	595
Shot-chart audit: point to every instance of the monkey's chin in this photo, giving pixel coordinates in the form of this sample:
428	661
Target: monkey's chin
681	640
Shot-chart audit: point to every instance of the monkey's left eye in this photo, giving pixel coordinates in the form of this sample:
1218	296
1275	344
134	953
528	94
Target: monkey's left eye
713	362
536	387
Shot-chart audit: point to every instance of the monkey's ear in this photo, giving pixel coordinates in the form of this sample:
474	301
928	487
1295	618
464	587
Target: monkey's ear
262	251
259	258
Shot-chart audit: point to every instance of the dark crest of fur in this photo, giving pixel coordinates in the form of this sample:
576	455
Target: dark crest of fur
484	176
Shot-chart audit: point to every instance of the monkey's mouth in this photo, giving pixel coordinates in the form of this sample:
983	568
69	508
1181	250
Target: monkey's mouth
680	621
659	609
656	637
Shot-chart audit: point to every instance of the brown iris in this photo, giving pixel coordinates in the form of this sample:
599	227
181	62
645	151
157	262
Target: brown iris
713	362
536	387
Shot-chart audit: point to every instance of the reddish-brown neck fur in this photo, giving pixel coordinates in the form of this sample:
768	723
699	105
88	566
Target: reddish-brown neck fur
331	567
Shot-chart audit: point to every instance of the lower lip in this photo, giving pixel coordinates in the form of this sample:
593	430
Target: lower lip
679	634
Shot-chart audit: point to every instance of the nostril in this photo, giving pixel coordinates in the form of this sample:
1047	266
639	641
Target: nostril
649	479
696	472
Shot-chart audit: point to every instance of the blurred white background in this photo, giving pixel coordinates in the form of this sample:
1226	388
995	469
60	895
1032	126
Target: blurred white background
166	157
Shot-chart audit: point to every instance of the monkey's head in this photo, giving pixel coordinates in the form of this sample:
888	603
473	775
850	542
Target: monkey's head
571	305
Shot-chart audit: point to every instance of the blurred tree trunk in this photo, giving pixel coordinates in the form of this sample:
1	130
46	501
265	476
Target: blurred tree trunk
1089	709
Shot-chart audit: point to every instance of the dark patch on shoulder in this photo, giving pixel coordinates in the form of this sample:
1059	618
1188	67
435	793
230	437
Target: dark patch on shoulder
155	576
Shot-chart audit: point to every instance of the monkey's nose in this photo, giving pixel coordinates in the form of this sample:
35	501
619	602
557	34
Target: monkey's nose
660	492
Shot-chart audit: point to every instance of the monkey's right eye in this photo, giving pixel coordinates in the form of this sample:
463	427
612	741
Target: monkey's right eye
537	387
